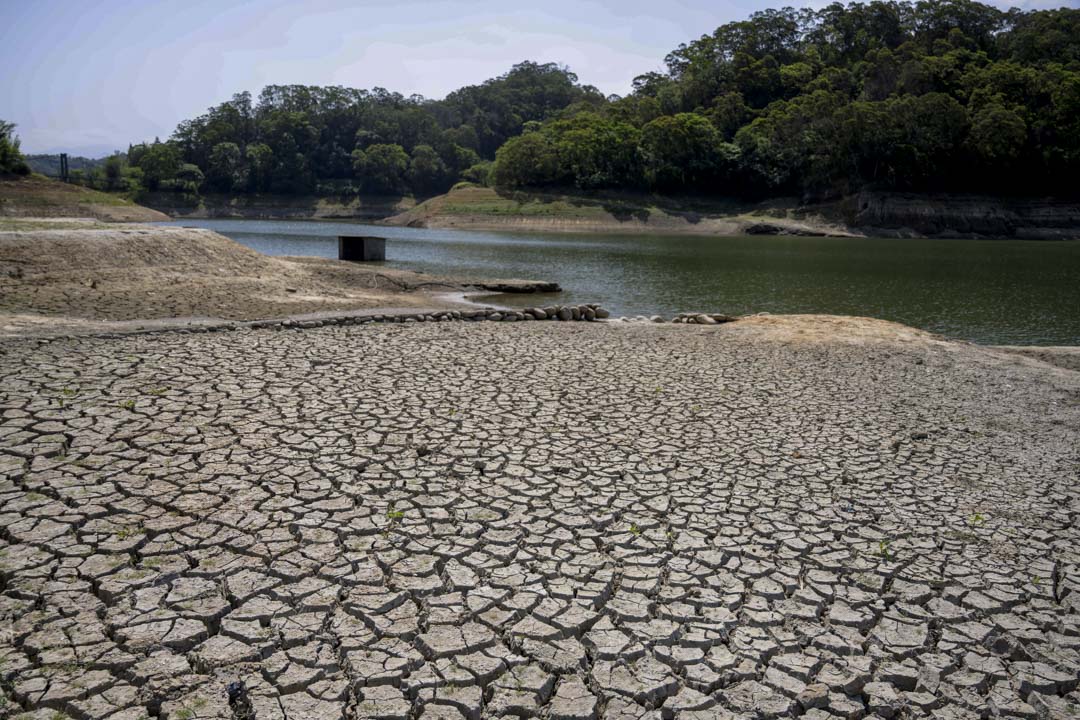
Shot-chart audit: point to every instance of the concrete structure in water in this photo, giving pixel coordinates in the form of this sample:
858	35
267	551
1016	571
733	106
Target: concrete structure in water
361	248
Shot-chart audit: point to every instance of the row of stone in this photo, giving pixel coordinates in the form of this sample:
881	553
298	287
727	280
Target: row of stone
566	313
682	318
703	318
588	313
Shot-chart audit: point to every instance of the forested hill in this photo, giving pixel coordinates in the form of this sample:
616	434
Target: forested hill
50	164
939	95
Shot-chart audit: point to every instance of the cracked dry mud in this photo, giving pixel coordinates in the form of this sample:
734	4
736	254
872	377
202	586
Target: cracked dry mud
447	520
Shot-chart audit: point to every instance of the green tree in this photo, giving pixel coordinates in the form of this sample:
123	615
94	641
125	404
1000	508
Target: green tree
225	169
427	173
160	162
114	172
11	160
384	168
998	136
684	151
189	178
260	160
526	161
480	173
597	152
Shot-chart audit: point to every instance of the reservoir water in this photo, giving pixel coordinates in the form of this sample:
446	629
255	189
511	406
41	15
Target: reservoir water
986	291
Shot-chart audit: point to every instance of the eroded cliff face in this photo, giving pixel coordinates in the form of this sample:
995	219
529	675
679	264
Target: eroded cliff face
898	214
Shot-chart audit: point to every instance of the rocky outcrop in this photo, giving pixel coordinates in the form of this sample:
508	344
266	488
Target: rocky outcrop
912	215
767	228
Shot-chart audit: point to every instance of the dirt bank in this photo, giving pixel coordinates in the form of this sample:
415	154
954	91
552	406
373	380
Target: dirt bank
866	214
38	196
476	208
97	272
910	215
280	207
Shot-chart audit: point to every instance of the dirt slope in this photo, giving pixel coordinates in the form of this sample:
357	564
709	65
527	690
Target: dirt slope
39	196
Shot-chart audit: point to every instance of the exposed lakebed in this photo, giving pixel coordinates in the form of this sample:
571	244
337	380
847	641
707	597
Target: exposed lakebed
986	291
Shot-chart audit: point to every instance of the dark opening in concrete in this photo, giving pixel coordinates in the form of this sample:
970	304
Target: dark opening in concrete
361	248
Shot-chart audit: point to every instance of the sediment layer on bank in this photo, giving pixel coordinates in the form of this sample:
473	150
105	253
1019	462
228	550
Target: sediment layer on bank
866	214
280	207
910	215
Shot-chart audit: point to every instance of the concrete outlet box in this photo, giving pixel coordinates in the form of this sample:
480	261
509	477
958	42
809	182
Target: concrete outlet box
361	248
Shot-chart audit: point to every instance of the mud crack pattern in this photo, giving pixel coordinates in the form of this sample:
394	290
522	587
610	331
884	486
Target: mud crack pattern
454	520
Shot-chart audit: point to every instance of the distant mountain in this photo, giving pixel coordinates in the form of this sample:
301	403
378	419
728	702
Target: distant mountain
50	164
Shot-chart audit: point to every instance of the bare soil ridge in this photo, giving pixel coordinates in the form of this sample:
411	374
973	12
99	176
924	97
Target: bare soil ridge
38	196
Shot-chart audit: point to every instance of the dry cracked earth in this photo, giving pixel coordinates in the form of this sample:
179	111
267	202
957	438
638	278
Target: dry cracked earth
454	520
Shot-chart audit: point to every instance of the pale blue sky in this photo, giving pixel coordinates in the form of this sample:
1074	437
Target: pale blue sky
90	76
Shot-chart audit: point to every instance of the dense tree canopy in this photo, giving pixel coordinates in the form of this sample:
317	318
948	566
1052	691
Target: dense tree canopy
948	95
933	95
300	139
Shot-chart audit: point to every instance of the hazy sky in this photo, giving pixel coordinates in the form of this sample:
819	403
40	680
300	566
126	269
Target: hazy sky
90	76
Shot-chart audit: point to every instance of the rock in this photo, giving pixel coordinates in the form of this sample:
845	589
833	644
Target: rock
704	320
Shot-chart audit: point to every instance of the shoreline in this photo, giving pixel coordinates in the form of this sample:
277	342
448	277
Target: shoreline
471	207
459	307
85	277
